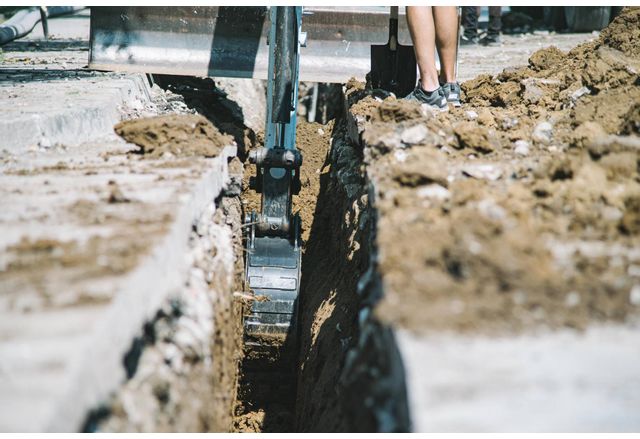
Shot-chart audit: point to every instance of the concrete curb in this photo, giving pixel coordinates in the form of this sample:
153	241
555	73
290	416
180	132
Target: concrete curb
560	380
69	118
97	368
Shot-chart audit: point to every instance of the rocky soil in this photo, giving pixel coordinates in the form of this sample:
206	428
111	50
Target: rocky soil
520	209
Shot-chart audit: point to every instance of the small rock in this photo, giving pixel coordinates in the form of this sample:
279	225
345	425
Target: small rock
115	194
572	300
474	247
427	111
634	270
434	191
542	133
634	295
532	93
482	171
391	141
446	149
44	143
579	93
414	134
521	147
471	115
519	297
613	214
400	155
491	210
508	123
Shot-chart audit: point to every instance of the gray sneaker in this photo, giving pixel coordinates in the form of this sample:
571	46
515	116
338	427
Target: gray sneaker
452	93
434	98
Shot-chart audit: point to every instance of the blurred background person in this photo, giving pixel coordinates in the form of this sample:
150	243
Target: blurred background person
471	35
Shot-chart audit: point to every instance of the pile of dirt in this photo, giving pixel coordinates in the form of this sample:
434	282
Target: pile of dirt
173	135
518	210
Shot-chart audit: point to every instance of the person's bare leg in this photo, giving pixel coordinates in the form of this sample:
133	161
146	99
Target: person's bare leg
446	25
420	21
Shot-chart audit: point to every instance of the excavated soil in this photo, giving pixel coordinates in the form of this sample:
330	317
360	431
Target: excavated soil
174	135
521	209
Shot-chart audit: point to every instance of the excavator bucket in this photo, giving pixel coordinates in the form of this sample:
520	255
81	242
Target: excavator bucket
231	41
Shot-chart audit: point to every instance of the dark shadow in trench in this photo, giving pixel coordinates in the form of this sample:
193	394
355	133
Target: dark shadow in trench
329	306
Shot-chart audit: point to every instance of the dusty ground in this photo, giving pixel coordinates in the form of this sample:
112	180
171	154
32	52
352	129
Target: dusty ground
520	209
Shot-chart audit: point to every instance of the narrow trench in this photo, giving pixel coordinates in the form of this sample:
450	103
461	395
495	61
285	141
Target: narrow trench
307	385
300	389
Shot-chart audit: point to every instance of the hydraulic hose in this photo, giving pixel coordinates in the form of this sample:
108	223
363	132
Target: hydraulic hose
285	53
23	22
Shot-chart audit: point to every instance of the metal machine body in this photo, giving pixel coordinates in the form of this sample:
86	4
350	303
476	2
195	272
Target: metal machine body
273	241
231	41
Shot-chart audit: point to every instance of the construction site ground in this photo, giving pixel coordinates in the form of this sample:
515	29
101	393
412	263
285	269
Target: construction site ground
470	270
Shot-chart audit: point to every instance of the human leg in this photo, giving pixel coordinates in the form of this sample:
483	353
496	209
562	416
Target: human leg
495	25
470	24
421	27
445	20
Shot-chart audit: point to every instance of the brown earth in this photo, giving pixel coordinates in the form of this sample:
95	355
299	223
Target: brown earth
336	257
178	135
518	210
313	140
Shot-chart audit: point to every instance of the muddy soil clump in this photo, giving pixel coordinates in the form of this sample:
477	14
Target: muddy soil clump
519	209
173	136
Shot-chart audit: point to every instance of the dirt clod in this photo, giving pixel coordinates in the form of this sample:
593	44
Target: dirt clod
539	200
173	135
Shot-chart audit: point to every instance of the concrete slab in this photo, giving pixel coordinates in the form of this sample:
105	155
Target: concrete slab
93	239
561	381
